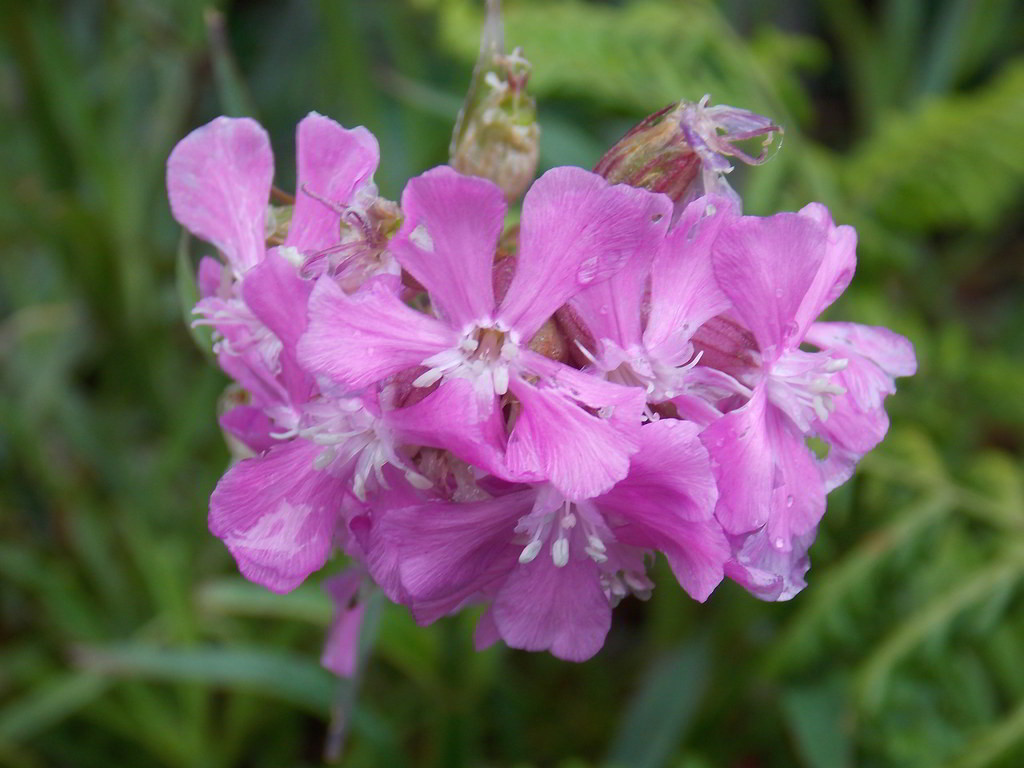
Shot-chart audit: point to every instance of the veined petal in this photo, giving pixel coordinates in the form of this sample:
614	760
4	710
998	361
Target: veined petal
218	182
542	607
448	239
448	549
890	351
837	266
557	436
341	649
798	496
455	418
766	572
276	514
360	339
333	163
250	425
576	230
684	293
277	296
766	266
742	462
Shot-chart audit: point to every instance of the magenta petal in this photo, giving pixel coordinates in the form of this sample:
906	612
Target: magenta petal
218	182
576	229
209	276
798	498
341	649
669	480
582	454
276	295
448	239
276	514
684	293
667	502
766	266
450	549
453	417
486	633
742	462
837	267
333	163
563	610
250	425
360	339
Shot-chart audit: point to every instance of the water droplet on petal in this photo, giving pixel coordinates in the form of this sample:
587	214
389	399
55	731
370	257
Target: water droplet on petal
789	501
587	271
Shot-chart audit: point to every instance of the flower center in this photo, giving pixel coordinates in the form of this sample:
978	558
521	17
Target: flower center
485	353
801	385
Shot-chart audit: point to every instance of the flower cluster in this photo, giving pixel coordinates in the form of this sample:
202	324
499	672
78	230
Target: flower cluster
522	416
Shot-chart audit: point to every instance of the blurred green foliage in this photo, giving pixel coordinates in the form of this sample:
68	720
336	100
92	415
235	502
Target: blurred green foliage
127	639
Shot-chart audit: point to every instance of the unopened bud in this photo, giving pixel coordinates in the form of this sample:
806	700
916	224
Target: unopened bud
496	135
681	150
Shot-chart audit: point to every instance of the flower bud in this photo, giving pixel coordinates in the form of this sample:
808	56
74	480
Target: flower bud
681	150
496	135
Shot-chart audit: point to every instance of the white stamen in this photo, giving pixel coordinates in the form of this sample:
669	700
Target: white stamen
530	551
560	552
836	364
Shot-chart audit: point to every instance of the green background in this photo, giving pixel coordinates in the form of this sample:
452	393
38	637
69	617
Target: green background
126	636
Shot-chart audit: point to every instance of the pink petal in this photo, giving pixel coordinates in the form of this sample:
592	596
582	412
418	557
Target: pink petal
798	498
576	230
453	417
684	293
486	633
582	454
766	266
276	514
333	163
209	276
448	239
892	352
363	338
669	480
563	610
276	295
767	572
742	462
836	270
451	549
218	182
250	425
341	649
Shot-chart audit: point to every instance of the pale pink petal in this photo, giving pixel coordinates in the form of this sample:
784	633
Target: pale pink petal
892	352
613	309
360	339
766	266
697	556
582	453
333	163
684	293
448	239
276	514
742	461
341	649
218	182
577	229
767	572
542	607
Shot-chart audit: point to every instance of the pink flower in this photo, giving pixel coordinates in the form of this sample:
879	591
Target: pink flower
779	274
553	568
576	230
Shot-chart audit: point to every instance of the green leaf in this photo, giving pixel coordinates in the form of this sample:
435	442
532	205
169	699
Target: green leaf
48	704
237	597
272	673
661	710
816	715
